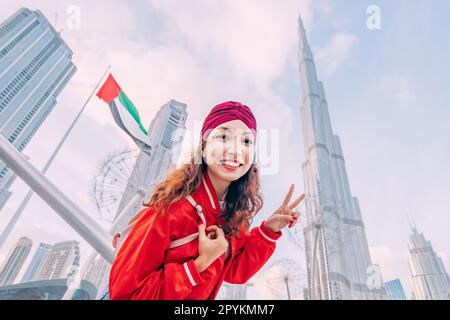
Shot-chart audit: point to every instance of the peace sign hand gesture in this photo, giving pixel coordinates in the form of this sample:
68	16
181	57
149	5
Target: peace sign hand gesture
285	214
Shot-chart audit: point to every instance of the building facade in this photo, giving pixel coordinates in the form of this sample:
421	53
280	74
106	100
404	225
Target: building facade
35	65
336	248
165	133
15	261
61	262
230	291
38	259
394	290
429	278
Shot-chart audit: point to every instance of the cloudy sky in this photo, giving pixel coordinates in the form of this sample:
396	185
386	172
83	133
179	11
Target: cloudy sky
387	92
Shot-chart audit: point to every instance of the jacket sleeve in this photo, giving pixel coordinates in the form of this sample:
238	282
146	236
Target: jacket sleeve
138	272
259	245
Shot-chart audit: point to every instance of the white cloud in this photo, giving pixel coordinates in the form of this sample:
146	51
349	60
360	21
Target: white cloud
253	37
336	52
398	88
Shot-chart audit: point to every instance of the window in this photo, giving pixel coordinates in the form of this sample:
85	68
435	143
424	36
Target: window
43	98
21	36
33	67
13	22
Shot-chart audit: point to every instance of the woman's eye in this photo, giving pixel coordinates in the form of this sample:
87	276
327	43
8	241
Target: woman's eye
248	141
222	137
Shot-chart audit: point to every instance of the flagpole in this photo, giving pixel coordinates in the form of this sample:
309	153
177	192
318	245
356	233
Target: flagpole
27	198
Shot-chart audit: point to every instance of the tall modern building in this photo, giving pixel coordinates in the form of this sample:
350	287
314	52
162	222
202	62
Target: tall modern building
166	133
61	262
38	259
35	65
394	290
98	272
15	261
337	253
429	277
230	291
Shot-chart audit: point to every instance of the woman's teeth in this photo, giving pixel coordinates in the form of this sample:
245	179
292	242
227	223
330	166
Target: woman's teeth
231	164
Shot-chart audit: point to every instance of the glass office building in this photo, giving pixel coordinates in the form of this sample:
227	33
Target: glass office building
35	65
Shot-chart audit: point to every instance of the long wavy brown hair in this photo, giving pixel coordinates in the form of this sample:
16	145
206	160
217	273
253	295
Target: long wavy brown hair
242	201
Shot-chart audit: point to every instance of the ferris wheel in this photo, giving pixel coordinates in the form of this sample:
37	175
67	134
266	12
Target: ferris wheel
116	173
286	279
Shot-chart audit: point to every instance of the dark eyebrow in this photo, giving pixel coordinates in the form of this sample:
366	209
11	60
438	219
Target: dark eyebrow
228	129
224	128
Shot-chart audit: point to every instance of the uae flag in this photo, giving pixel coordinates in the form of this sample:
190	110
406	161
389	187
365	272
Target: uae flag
124	113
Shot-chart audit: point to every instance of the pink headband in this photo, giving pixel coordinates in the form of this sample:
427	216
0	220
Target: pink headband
228	111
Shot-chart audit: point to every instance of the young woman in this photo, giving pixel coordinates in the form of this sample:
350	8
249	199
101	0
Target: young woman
195	232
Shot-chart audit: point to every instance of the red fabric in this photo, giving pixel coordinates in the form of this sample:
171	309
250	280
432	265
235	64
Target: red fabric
109	90
146	269
225	112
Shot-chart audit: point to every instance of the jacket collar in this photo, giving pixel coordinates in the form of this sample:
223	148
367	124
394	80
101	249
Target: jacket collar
207	194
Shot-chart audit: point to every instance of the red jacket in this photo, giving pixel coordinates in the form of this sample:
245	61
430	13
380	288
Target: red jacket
145	267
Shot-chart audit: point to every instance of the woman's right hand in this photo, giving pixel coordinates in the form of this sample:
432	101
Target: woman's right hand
211	246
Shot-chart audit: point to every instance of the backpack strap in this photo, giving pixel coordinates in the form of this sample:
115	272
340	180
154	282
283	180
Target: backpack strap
197	207
182	241
191	237
119	237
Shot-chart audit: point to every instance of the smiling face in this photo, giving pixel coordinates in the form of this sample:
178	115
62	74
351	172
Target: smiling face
230	150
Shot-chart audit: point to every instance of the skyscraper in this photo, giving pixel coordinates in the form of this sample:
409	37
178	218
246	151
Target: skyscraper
337	253
429	277
61	261
35	65
15	261
39	257
97	272
230	291
148	171
394	290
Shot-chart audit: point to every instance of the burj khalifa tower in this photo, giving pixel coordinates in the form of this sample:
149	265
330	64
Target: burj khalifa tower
337	254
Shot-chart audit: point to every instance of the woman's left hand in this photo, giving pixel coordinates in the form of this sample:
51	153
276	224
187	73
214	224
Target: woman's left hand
285	214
